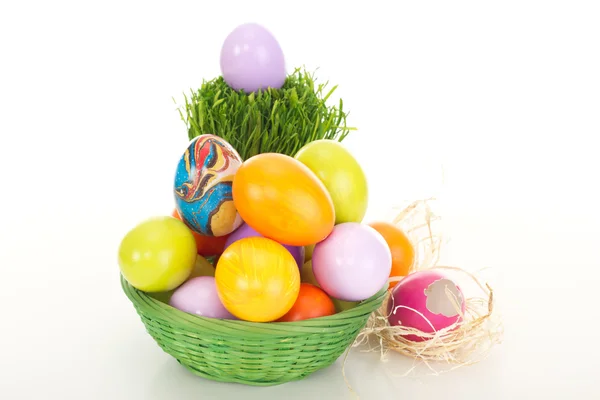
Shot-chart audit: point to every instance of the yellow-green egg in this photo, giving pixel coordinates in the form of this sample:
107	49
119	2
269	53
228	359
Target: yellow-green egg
341	174
158	254
202	268
308	252
307	275
163	297
341	305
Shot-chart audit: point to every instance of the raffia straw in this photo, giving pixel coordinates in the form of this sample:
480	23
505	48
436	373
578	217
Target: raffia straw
461	344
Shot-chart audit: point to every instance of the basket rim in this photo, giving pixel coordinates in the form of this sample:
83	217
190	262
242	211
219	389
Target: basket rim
145	303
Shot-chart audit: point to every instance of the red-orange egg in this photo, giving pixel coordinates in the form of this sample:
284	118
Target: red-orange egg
206	245
312	302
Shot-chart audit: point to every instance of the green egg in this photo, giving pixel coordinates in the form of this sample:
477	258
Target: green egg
341	305
163	297
308	251
307	275
342	176
202	268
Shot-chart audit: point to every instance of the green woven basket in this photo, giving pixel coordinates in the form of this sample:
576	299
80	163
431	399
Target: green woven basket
258	354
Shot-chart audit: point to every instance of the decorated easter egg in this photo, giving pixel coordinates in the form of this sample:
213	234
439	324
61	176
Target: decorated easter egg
207	245
199	296
257	279
426	300
342	176
252	59
403	252
312	302
246	230
353	263
203	186
283	200
158	254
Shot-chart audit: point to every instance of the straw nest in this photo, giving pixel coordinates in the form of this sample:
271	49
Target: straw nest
461	344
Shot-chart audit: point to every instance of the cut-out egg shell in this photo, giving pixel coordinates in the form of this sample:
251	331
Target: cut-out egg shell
427	300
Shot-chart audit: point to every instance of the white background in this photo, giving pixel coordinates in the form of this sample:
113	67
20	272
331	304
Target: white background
494	108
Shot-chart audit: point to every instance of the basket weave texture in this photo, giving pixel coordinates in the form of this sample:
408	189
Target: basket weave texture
257	354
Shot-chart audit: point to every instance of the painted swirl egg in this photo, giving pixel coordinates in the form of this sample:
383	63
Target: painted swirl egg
203	186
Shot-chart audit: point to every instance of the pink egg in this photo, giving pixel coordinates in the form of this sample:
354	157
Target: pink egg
199	296
420	301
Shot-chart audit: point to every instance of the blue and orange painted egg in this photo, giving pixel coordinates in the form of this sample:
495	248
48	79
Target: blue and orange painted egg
203	182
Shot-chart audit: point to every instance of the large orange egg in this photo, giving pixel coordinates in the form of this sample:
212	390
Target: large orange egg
283	200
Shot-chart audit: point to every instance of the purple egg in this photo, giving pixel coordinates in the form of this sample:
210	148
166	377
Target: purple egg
246	230
252	59
199	296
353	263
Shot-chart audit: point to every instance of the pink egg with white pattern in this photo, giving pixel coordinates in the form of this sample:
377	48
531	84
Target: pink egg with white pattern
426	300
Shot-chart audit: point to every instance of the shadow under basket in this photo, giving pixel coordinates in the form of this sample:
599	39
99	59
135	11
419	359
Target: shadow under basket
257	354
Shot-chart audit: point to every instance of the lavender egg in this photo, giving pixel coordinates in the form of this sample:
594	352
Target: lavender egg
199	296
246	230
353	263
252	59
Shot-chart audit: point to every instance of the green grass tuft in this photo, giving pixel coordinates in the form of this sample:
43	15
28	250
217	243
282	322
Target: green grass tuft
271	121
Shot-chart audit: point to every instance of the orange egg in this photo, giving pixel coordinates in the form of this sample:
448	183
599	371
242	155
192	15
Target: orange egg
283	200
403	252
206	245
